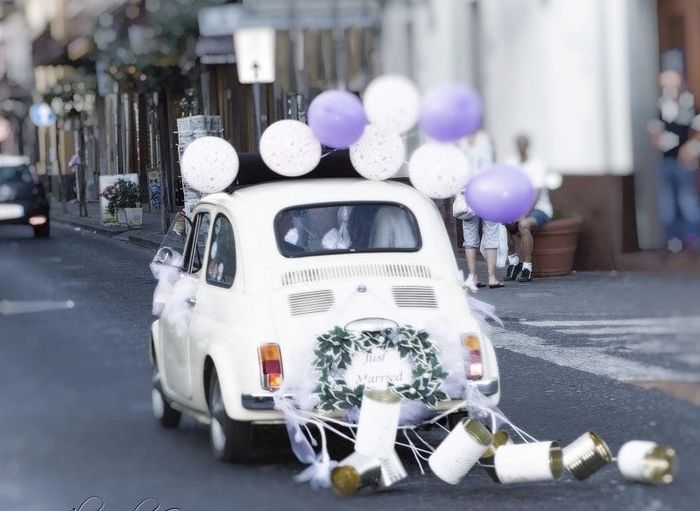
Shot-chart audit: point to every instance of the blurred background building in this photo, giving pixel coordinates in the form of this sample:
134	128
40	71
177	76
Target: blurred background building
578	76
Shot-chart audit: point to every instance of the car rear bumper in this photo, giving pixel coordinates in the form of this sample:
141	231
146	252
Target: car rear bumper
266	401
12	216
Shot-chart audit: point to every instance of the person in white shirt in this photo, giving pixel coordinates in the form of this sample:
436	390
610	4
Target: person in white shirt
540	214
479	153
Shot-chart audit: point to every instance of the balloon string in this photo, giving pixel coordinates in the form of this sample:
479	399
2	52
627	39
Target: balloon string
330	152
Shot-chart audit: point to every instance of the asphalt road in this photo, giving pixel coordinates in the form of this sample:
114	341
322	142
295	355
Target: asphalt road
75	392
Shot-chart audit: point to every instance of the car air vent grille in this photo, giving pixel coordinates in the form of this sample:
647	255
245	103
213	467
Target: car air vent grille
328	273
310	302
422	297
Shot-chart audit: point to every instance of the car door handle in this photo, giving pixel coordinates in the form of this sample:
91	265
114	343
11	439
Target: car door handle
191	302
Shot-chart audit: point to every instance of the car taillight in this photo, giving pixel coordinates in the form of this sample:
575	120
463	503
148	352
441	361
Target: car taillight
271	373
473	363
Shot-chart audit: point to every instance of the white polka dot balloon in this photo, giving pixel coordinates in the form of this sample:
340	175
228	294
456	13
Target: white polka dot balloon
392	103
289	148
209	164
378	154
438	170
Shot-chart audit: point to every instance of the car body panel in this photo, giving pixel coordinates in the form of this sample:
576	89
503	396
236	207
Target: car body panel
228	324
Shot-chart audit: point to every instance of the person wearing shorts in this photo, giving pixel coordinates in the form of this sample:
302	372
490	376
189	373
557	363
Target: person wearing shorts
472	242
479	152
520	265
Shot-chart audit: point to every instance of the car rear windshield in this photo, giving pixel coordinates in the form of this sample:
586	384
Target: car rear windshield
18	174
346	227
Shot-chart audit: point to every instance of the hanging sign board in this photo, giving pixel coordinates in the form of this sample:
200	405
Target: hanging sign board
255	54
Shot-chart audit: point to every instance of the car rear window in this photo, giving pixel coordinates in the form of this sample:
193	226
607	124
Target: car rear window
321	229
19	174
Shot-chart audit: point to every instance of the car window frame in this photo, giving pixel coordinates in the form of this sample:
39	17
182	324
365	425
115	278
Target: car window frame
318	253
235	255
192	242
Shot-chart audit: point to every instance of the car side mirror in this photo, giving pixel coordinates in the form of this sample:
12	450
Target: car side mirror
183	225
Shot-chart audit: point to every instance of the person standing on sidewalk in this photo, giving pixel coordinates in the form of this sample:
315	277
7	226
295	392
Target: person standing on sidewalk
540	214
676	135
479	152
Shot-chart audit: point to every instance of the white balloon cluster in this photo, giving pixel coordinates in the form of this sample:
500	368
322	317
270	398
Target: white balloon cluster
392	105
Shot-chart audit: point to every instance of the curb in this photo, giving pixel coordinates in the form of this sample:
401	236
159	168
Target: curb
99	229
110	232
143	242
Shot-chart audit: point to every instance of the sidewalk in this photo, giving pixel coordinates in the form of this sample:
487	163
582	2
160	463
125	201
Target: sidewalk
148	236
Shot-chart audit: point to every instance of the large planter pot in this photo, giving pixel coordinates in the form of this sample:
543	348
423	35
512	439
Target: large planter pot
555	246
134	217
121	216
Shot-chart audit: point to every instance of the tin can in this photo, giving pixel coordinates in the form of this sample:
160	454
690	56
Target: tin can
647	462
392	471
460	451
377	423
355	472
536	461
500	437
586	455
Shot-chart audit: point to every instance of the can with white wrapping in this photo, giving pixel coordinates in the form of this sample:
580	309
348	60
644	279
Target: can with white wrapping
521	463
355	472
500	438
377	423
392	472
460	451
647	462
586	455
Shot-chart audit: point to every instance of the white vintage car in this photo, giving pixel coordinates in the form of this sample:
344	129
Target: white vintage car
263	264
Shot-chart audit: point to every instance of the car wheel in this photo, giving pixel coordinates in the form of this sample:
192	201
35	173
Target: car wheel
166	415
42	231
231	440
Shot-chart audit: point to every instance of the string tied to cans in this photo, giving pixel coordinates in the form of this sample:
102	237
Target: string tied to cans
376	465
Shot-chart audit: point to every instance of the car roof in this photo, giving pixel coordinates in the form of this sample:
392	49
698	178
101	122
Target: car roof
281	194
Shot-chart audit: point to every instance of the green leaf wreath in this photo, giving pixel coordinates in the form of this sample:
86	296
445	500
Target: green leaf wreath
336	347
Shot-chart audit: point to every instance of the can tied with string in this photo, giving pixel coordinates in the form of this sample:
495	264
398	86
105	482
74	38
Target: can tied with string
460	451
536	461
586	455
500	437
355	472
392	471
647	462
377	423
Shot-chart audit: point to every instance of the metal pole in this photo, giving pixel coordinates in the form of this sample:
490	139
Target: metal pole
258	113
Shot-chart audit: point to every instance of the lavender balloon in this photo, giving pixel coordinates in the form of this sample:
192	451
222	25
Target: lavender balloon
337	118
500	193
450	112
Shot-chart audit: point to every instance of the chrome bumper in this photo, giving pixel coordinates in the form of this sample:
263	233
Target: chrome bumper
266	401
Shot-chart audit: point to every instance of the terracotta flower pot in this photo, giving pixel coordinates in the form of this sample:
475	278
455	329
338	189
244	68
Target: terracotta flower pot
555	246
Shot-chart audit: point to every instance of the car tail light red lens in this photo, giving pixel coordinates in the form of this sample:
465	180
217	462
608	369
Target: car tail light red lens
37	220
271	372
473	362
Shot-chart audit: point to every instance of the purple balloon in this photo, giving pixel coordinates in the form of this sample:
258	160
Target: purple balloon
500	193
337	118
450	112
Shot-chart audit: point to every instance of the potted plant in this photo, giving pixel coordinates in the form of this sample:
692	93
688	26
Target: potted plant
124	203
555	245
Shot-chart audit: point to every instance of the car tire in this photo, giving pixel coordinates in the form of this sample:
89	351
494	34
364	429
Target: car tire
43	231
165	414
231	440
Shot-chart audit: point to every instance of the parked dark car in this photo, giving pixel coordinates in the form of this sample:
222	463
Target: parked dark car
22	197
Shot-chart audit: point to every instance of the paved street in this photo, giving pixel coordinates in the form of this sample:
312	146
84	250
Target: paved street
576	353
